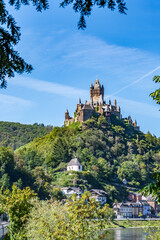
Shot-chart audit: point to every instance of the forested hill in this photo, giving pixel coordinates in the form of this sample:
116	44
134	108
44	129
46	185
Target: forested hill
108	152
16	134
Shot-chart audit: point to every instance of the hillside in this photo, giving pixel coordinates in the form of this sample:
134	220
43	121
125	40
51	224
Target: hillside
16	134
108	152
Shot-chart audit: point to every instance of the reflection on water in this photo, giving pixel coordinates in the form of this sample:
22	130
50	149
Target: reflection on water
126	234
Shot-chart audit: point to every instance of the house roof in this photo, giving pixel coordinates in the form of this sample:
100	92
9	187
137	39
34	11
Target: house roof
150	198
87	107
99	192
75	189
74	162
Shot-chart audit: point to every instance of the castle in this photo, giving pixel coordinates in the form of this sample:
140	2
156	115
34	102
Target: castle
96	106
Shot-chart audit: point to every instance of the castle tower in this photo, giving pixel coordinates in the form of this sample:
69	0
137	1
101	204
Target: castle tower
97	92
115	103
67	117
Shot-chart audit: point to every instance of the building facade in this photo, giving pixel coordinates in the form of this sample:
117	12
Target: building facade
74	165
96	106
99	195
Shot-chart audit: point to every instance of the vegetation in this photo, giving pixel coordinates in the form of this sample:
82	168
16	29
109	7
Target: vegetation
105	150
156	94
85	8
10	61
33	219
108	152
15	134
132	223
77	219
17	205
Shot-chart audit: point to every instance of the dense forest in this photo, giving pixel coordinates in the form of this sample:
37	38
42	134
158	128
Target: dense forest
108	152
15	134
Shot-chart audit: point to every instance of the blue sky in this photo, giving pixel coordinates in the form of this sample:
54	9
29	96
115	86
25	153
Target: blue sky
122	51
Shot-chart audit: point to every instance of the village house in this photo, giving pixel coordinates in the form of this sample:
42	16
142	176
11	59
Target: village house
68	191
74	165
134	197
132	209
148	202
137	209
99	195
123	210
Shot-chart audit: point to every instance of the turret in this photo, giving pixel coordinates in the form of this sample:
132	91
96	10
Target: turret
67	117
115	103
96	92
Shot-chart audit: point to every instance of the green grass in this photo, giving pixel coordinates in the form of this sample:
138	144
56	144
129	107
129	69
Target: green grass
130	223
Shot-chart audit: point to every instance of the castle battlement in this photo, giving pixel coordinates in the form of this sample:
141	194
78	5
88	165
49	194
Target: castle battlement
96	106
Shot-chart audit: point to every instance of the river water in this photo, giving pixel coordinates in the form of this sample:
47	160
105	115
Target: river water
126	234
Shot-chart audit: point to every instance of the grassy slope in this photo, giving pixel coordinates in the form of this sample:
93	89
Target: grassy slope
133	223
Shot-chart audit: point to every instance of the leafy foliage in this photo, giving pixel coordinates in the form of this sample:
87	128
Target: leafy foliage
85	7
77	219
108	153
156	94
15	134
17	205
10	61
154	187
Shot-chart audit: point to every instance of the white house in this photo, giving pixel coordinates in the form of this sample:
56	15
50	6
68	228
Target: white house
99	195
68	191
123	209
74	165
146	208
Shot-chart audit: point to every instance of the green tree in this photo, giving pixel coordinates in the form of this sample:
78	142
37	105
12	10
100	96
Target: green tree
41	182
130	171
57	194
77	219
10	61
7	163
85	8
156	94
17	205
154	187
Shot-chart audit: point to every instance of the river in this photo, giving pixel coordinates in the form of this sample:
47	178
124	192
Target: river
126	234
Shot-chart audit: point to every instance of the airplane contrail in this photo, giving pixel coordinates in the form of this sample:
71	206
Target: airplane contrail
136	81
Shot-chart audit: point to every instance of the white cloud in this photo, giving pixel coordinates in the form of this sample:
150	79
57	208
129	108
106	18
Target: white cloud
12	108
136	108
49	87
87	51
8	100
70	52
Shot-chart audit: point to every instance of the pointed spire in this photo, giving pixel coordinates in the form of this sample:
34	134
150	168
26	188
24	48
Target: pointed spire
135	123
79	101
115	103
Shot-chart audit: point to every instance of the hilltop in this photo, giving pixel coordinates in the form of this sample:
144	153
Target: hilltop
16	134
108	152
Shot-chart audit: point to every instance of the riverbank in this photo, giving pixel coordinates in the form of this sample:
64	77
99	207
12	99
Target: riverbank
132	224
